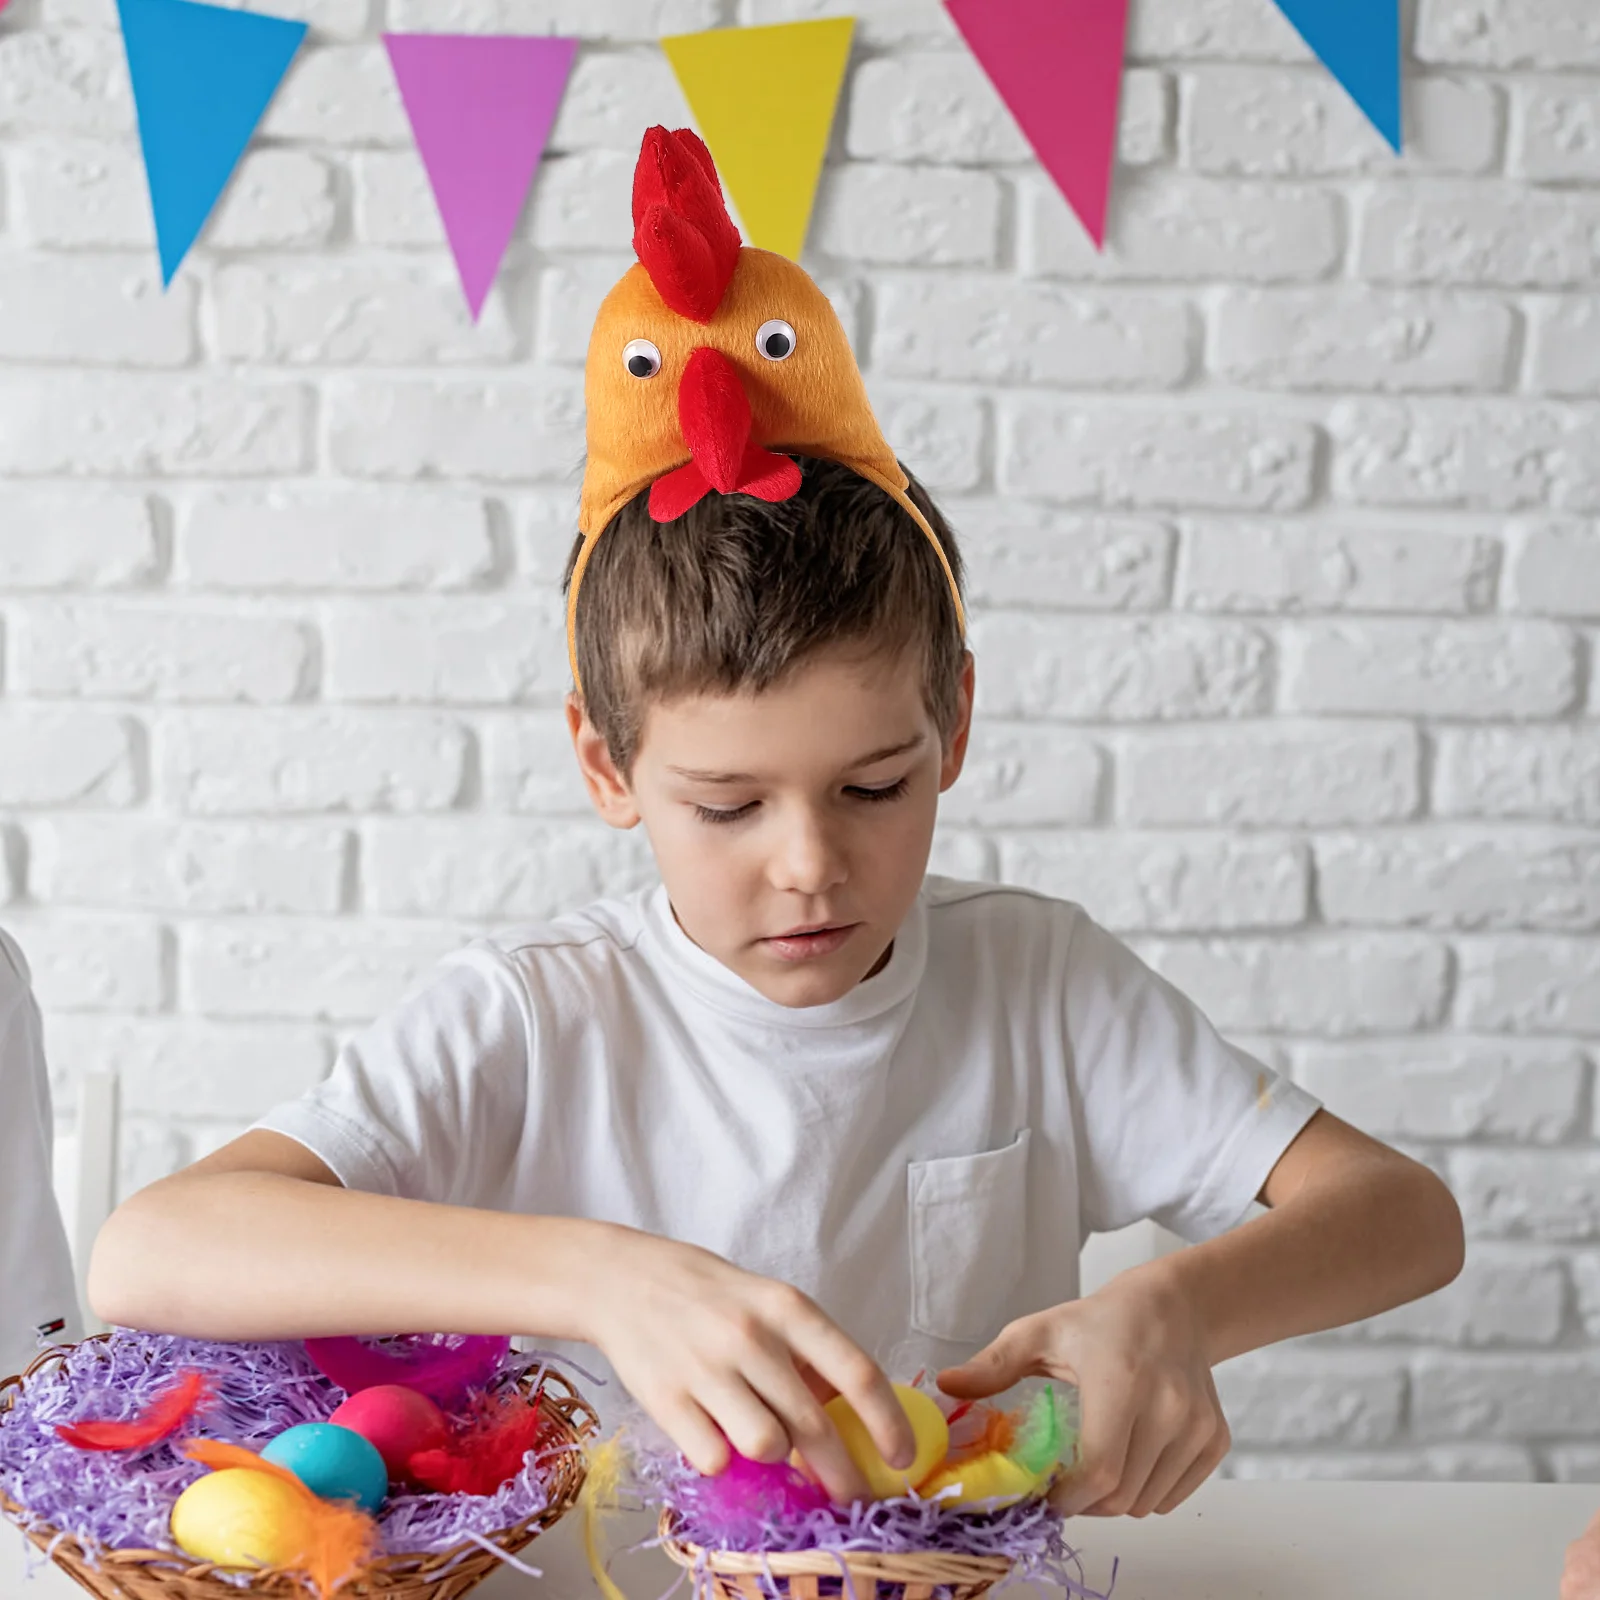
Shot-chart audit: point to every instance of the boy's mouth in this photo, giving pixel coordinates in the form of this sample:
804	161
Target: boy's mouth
819	939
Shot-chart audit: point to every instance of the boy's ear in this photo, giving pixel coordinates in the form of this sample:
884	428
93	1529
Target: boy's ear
955	750
608	790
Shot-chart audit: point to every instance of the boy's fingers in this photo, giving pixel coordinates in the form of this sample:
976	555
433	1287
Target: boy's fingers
695	1434
1145	1446
1199	1470
1009	1357
752	1427
855	1375
1108	1416
793	1401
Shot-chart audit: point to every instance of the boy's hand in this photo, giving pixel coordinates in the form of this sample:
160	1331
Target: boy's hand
721	1357
1580	1577
1153	1429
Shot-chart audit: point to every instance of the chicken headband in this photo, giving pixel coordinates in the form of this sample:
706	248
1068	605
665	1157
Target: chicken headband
707	354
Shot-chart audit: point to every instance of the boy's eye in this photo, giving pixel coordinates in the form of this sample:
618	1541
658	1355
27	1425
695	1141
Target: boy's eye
731	814
891	791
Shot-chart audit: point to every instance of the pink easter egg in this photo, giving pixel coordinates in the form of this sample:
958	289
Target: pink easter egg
398	1422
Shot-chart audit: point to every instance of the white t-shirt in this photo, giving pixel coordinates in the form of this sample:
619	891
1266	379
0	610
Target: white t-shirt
38	1301
924	1156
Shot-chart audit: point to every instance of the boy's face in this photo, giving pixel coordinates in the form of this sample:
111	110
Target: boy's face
808	806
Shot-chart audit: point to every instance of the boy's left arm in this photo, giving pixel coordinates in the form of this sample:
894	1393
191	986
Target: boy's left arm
1353	1229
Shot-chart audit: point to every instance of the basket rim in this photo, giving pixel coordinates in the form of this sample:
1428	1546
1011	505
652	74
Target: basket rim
571	1414
904	1566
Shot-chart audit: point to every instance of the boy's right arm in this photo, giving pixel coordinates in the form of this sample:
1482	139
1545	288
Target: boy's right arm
261	1241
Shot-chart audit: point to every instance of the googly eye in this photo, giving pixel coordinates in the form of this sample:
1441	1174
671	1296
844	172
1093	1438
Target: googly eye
775	340
641	358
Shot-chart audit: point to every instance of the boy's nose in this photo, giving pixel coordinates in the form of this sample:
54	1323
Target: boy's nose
808	861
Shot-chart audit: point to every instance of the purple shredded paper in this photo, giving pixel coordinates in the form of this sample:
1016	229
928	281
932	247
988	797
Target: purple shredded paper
122	1500
1030	1535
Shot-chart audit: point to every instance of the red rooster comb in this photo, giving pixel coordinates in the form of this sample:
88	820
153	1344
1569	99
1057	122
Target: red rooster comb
681	228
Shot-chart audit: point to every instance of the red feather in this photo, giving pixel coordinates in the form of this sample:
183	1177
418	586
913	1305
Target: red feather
489	1451
162	1417
681	228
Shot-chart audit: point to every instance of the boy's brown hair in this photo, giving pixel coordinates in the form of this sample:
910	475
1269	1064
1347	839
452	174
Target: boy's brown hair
736	593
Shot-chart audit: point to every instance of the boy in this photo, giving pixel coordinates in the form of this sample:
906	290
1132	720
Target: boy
798	1107
38	1302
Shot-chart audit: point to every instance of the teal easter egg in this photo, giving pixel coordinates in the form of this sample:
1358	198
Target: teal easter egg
332	1462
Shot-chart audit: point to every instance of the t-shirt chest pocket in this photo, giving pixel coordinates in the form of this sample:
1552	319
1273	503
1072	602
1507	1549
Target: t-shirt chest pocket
968	1225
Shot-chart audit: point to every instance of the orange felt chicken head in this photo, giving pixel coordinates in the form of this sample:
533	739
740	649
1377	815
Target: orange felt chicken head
709	360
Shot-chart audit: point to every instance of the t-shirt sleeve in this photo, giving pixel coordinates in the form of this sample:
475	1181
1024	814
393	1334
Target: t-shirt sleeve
428	1102
1174	1123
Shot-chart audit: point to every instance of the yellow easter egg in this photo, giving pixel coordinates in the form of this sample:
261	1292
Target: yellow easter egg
928	1428
991	1478
240	1518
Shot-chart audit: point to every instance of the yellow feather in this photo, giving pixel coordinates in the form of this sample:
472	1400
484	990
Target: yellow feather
599	1497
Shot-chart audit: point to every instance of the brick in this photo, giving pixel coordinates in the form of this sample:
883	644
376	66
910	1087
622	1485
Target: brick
570	293
998	331
151	864
1502	33
940	437
1449	668
1433	878
1091	668
886	22
75	539
1360	339
968	856
1282	774
1172	226
1454	453
111	650
547	527
1529	984
529	766
1479	233
1330	985
1074	453
1211	29
1538	773
498	868
1450	1088
178	1067
1554	568
332	538
451	651
277	200
583	202
1505	1397
1556	137
352	312
1039	557
642	21
68	757
1267	123
222	764
84	962
1505	1297
1144	118
1584	1266
10	865
510	429
1284	1399
1564	346
1137	882
928	216
304	970
1467	1463
340	95
390	201
63	81
1024	775
1574	1463
328	19
612	89
72	194
1294	566
112	424
102	312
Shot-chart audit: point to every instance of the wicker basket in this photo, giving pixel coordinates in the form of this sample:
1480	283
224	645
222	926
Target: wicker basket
156	1575
817	1574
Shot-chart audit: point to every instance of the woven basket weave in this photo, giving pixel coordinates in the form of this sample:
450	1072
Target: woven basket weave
814	1574
156	1575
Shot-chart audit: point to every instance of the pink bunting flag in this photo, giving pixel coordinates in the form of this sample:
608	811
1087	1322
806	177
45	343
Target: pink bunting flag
1058	66
481	107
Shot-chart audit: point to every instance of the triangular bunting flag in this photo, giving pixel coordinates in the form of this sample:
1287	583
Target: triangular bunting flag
1058	66
481	107
1358	41
764	99
202	77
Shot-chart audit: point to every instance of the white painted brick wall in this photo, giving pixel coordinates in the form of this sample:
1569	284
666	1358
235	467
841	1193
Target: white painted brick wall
1282	525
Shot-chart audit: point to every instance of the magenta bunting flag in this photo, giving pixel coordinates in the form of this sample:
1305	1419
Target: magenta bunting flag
1058	66
481	107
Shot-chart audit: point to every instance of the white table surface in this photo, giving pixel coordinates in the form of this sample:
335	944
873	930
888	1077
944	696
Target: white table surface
1232	1541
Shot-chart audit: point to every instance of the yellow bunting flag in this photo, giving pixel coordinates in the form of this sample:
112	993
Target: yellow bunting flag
764	100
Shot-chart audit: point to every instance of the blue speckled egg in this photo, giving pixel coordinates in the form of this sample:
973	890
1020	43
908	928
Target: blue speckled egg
332	1462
